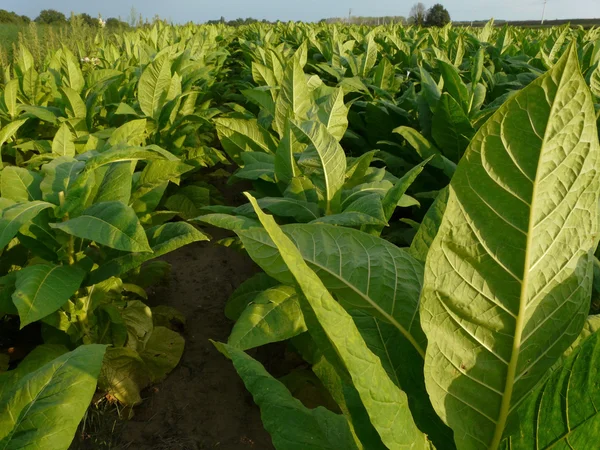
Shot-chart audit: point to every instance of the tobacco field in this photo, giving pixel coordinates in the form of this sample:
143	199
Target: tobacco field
418	209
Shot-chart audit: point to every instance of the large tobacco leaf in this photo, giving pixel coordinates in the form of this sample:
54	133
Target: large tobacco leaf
42	289
508	277
153	86
109	223
385	403
273	315
562	412
419	247
15	216
162	239
363	271
42	409
303	428
324	160
293	100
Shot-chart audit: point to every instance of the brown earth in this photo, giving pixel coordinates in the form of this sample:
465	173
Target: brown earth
202	404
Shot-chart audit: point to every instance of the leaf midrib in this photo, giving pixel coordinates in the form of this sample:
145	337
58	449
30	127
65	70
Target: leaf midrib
18	422
365	297
37	291
520	321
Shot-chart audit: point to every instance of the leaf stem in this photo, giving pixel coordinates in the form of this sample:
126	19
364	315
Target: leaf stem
71	242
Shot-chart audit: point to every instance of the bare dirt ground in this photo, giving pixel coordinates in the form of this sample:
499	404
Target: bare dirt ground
203	404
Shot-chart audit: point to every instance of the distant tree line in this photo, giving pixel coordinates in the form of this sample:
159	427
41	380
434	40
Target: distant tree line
436	16
12	17
366	20
53	17
237	22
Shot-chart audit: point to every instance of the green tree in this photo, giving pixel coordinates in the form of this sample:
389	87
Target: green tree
51	16
113	22
437	16
417	14
88	20
11	17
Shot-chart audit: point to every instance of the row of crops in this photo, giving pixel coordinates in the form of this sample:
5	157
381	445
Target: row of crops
423	204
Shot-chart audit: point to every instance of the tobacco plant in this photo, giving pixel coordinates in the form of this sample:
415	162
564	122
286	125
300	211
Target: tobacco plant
474	347
291	152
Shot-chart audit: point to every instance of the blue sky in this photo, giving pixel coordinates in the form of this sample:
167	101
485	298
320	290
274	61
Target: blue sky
308	10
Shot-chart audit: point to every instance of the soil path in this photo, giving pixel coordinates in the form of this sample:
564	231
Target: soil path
202	404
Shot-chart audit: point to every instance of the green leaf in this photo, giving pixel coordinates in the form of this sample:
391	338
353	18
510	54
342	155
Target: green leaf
404	366
7	287
9	131
454	85
365	210
58	174
301	188
154	175
384	75
385	403
114	182
362	271
162	353
561	412
20	185
63	144
429	88
426	149
429	227
332	113
395	194
238	136
125	109
72	76
122	154
247	292
74	105
324	157
477	66
162	239
286	168
38	357
153	87
508	276
33	412
188	201
293	100
451	128
9	96
109	223
227	222
123	375
369	58
284	207
591	325
358	168
130	133
137	318
43	288
595	82
292	426
257	166
274	315
15	216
